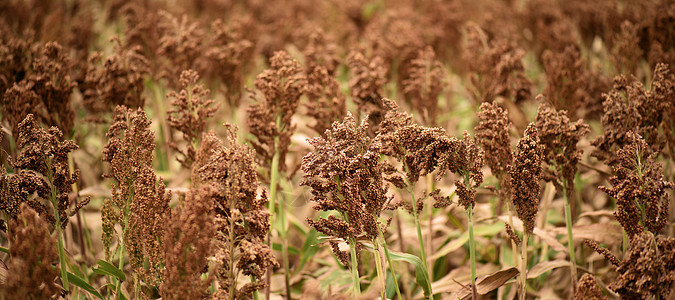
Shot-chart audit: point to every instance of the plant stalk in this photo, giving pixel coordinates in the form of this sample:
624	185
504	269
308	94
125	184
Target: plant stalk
59	234
381	274
391	265
523	265
355	267
274	182
570	239
472	247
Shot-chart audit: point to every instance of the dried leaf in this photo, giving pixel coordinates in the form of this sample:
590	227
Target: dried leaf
604	233
488	283
546	266
545	236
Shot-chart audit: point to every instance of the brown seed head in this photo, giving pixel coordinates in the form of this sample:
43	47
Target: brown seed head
281	87
117	80
648	268
43	165
367	86
326	102
560	136
492	135
496	68
346	175
189	114
242	221
588	289
639	188
525	173
148	213
424	84
33	267
630	107
229	52
187	244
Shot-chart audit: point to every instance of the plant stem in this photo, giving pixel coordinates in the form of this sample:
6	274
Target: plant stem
420	238
355	267
472	247
391	265
57	224
570	239
255	292
523	265
274	182
430	214
514	247
118	286
381	275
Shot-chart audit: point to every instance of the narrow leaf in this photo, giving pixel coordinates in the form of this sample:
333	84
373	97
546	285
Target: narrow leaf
109	269
309	248
488	283
480	230
546	266
81	283
421	274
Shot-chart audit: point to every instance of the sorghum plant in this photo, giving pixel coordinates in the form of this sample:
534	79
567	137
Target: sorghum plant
639	188
189	114
559	137
117	80
648	268
43	167
327	104
567	80
229	52
525	173
44	92
424	84
496	68
270	122
241	220
188	236
588	289
419	149
33	258
631	107
138	203
367	86
346	176
180	43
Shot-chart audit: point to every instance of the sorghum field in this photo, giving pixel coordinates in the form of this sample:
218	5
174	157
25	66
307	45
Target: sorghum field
339	149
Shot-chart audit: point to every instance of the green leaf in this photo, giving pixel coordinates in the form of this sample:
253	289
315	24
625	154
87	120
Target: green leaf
106	268
421	274
291	250
81	283
309	248
480	230
3	249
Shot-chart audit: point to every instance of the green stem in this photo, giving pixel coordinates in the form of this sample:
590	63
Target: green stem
255	292
118	285
355	267
420	238
514	247
570	239
472	247
62	255
391	265
523	265
274	182
59	237
380	270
